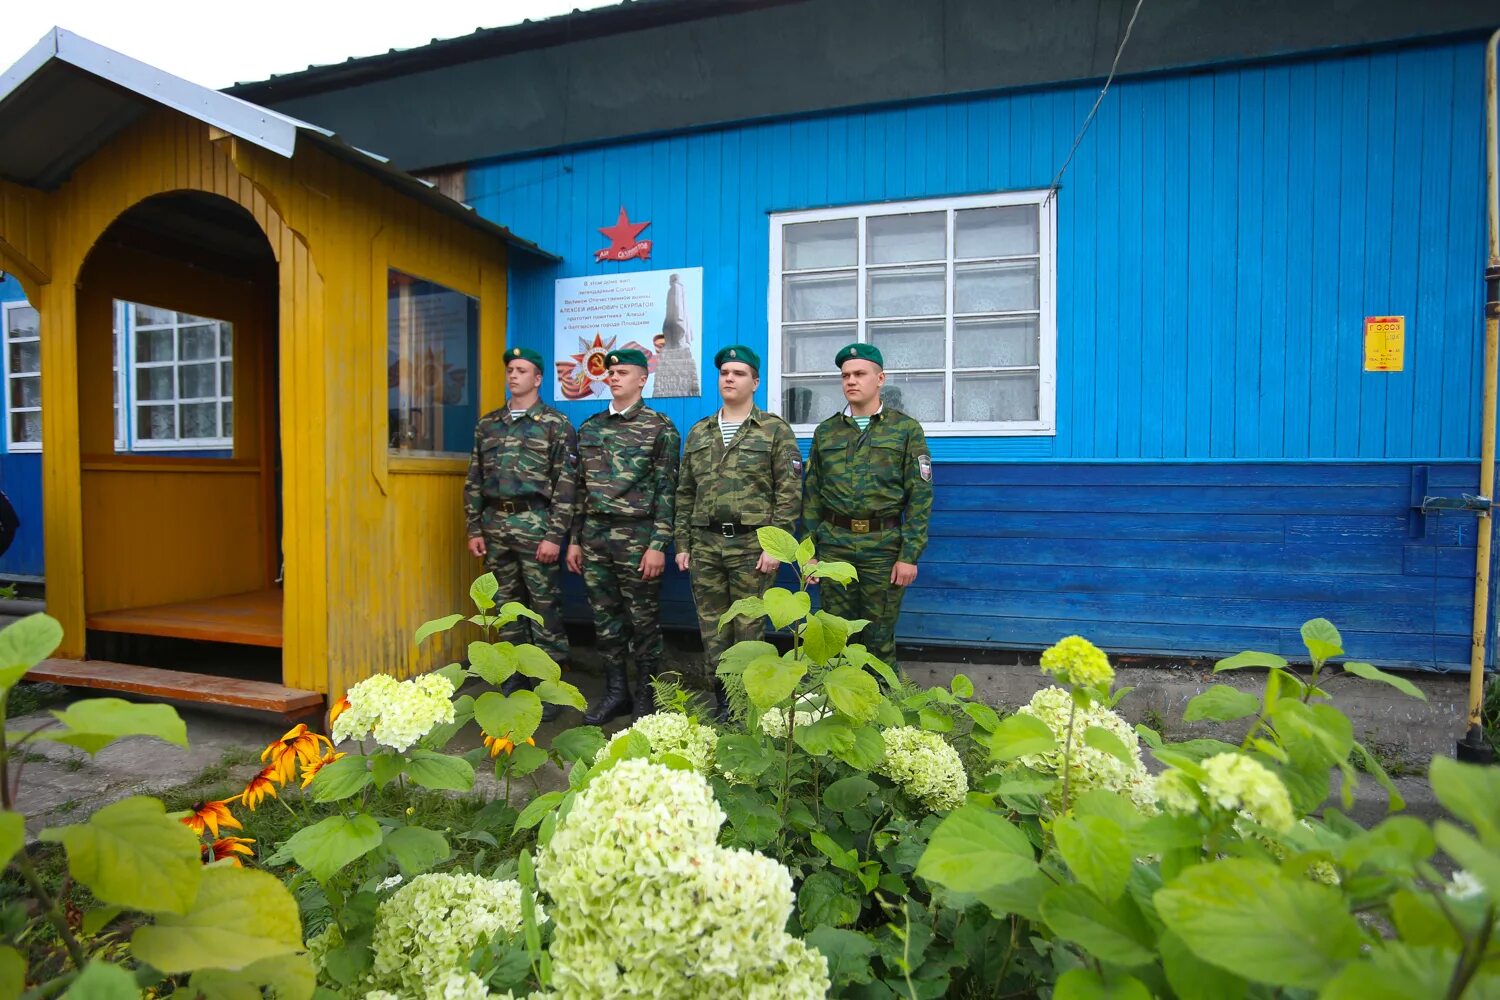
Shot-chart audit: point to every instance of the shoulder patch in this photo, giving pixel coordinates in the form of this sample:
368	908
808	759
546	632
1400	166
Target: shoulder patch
924	468
797	464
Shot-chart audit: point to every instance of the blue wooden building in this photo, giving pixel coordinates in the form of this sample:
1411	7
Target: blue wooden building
1145	388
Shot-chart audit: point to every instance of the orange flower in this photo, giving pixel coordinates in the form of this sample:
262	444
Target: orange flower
337	709
210	816
299	743
228	847
311	769
263	784
497	745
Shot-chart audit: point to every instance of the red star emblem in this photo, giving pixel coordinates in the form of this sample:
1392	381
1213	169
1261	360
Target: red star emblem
624	239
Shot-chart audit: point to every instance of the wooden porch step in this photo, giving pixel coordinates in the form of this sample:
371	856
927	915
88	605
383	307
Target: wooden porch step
179	685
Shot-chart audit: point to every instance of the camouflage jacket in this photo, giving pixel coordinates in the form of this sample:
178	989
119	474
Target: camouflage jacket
756	480
533	455
881	472
628	468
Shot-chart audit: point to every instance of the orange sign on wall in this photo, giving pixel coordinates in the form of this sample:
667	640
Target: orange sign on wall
1385	343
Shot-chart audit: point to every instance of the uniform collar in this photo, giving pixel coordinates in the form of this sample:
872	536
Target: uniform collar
533	411
848	411
629	411
753	417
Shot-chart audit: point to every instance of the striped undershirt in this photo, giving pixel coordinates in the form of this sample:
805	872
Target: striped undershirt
728	428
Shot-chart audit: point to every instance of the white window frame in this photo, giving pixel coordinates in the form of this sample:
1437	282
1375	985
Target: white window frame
128	383
12	445
1046	422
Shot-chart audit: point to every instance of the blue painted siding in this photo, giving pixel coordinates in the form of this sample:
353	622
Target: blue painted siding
1221	237
21	479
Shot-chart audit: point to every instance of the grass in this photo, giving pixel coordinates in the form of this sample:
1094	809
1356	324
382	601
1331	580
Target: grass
28	699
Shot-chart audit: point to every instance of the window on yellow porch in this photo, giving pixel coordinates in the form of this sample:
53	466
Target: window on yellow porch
432	358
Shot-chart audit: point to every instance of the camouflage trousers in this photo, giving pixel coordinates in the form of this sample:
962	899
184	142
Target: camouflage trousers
510	553
722	571
872	596
627	609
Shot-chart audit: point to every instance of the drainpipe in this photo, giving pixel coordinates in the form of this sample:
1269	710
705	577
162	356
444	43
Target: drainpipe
1472	746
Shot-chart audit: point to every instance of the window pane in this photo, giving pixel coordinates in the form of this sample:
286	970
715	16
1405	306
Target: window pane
22	321
25	357
196	382
156	423
811	400
226	340
154	383
432	354
26	427
226	384
818	296
995	287
812	348
26	391
897	239
199	420
153	345
199	342
917	291
152	316
995	343
995	397
820	244
228	410
1008	231
919	396
910	345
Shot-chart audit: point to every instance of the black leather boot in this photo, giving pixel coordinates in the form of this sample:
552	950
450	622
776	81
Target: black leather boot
721	703
645	698
616	700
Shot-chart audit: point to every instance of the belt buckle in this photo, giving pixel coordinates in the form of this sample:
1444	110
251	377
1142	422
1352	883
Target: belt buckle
860	526
727	529
507	506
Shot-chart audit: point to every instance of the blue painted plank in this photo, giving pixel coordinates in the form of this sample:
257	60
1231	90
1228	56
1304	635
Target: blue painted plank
1164	289
1224	249
1202	305
1275	157
1426	333
21	479
1352	250
1131	410
1248	302
1380	163
1328	207
1302	218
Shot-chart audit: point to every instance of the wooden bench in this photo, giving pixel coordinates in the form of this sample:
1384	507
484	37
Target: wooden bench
291	704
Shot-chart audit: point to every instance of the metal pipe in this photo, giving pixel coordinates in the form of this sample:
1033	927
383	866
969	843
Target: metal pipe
1473	745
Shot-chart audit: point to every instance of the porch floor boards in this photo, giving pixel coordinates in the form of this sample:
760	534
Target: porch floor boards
180	685
249	619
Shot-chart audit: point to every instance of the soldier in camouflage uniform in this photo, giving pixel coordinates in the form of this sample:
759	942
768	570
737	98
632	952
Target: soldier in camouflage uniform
741	469
869	498
519	501
622	524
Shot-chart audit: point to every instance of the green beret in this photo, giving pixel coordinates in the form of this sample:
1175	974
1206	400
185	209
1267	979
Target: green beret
629	356
859	352
740	353
523	354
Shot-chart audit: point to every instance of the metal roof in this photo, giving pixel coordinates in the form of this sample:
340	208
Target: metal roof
67	97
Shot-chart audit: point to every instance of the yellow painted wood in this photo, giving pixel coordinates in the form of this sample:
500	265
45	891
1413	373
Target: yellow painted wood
373	546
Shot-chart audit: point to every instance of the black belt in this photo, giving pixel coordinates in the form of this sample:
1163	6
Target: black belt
514	505
865	525
729	529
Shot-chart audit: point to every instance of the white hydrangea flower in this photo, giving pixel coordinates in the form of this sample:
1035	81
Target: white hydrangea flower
925	766
1089	768
774	722
1464	885
646	904
427	928
1175	792
396	713
671	732
1079	661
463	985
1236	782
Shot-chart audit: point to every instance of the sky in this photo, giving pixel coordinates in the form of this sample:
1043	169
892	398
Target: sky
217	44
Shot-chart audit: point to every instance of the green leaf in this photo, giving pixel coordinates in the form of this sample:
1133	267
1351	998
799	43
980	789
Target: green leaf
806	551
384	767
630	745
25	643
13	973
435	626
825	736
853	692
326	847
579	743
984	717
1022	897
1250	658
866	752
974	849
1371	764
515	717
416	849
344	777
102	981
1102	739
561	693
1314	735
1114	932
95	723
785	606
1395	971
525	759
1194	979
848	953
1371	672
770	680
512	611
494	662
439	771
777	543
132	854
1096	852
823	637
238	917
750	607
1221	703
825	899
1471	792
961	686
537	664
1086	984
737	657
1398	845
97	919
1322	640
1481	861
934	721
849	793
839	572
483	590
12	835
1246	916
1019	735
538	809
289	977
